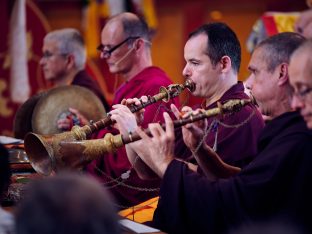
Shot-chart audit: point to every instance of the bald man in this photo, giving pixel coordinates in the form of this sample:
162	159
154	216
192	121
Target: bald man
126	48
301	80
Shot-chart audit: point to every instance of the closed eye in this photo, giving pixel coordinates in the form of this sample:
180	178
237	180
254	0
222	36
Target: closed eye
252	70
194	62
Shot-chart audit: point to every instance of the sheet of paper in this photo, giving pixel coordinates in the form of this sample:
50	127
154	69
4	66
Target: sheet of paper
137	227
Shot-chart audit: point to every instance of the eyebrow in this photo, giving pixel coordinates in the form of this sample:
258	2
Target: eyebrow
194	60
251	68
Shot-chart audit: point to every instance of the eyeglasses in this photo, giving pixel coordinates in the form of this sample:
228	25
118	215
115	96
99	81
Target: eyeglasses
302	94
48	54
108	53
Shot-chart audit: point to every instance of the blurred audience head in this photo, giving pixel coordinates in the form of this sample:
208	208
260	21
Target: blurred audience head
64	204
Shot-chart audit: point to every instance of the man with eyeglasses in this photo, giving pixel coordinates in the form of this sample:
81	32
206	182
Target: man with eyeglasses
126	48
300	71
275	186
63	63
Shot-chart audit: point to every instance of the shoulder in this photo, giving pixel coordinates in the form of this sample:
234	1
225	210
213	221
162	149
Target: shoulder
83	79
151	79
154	75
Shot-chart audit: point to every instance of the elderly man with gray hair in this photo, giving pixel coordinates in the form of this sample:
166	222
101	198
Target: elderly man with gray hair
63	63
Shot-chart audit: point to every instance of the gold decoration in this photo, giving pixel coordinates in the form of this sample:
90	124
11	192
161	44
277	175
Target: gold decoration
5	111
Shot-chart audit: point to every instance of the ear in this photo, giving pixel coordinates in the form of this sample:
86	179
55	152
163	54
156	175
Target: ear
138	44
283	74
225	63
70	61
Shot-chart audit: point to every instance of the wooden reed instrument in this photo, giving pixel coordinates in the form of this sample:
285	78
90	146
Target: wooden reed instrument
69	153
165	94
41	149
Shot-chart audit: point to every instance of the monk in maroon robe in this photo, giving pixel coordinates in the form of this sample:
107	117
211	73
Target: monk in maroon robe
229	133
213	57
126	48
114	170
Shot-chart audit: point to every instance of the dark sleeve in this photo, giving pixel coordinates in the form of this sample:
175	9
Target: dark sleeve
276	183
182	207
273	185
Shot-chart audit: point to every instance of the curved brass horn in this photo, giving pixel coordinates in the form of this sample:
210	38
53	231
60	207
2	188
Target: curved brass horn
56	153
43	150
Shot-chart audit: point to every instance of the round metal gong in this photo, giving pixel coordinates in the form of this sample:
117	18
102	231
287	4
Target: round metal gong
58	101
23	117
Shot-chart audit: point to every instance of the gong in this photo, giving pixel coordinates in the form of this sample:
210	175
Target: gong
57	101
23	116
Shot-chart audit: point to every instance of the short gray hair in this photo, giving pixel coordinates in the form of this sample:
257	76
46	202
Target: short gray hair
70	41
278	48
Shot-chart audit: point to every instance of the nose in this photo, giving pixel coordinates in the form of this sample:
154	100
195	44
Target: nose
41	61
248	83
296	103
186	72
102	56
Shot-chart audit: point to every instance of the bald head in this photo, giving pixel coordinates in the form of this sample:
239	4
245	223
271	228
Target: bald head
304	54
124	16
131	24
300	68
300	76
125	44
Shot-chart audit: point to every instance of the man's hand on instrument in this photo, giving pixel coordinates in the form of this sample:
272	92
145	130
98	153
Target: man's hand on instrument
125	119
70	118
139	115
192	132
156	151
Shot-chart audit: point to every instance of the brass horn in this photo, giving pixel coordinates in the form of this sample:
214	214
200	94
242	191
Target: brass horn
42	149
54	153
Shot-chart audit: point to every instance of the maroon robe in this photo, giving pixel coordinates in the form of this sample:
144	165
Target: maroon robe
237	144
83	79
133	190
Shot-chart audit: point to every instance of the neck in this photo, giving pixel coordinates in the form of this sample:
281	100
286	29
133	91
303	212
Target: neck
282	105
142	61
219	90
66	79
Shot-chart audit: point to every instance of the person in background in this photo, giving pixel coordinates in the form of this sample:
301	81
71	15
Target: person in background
303	24
66	203
6	219
63	63
126	48
300	71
